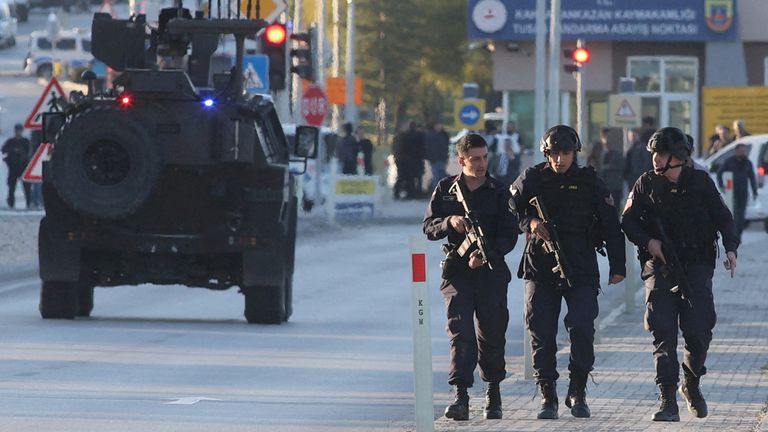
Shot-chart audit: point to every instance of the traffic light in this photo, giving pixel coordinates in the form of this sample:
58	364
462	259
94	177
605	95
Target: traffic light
579	56
302	58
273	45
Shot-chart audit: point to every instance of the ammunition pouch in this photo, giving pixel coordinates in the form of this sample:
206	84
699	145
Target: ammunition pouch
452	265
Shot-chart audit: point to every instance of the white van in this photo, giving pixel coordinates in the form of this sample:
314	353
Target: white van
757	210
7	25
73	49
314	182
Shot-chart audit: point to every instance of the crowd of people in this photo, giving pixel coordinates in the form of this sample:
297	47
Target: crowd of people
673	215
413	146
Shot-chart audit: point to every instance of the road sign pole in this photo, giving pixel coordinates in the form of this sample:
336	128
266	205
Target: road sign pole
350	109
335	58
295	80
540	80
422	336
580	96
553	104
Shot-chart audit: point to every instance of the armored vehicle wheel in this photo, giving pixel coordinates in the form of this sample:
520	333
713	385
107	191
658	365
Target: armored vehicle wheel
105	165
264	304
85	300
58	300
288	297
290	258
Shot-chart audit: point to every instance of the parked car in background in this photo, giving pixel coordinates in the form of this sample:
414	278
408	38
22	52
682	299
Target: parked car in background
314	182
72	49
20	8
757	210
7	25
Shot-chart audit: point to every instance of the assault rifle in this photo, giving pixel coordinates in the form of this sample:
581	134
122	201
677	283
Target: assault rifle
673	267
475	239
553	245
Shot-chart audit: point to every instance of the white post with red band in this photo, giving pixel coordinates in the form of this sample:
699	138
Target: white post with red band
422	337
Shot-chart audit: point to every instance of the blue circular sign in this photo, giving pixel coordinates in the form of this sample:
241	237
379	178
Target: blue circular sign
469	114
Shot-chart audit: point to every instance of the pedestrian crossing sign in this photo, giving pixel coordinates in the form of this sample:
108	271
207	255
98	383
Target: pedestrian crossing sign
625	110
256	73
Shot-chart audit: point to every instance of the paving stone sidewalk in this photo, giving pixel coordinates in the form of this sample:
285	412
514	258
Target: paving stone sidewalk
624	396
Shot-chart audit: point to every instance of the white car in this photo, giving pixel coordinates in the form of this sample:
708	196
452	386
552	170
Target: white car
8	25
757	210
314	182
73	49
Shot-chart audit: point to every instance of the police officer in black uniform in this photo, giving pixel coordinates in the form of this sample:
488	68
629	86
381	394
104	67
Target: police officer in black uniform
682	204
582	214
474	289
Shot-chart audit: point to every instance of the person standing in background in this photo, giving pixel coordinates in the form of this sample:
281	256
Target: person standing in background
366	146
637	160
721	139
739	129
743	177
506	165
348	151
16	155
611	168
436	144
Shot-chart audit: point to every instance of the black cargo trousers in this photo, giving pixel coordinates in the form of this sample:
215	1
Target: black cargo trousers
665	309
482	294
542	311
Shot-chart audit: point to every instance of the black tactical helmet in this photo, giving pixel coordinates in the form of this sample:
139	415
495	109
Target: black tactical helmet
560	137
670	140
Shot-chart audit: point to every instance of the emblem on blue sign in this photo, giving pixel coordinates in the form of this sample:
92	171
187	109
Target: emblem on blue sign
469	114
719	15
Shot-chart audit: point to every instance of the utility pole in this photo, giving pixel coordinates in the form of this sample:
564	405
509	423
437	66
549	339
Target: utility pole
350	109
580	94
553	104
335	61
295	79
320	49
541	68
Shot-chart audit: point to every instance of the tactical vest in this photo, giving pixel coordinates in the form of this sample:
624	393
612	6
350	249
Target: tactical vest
570	199
686	216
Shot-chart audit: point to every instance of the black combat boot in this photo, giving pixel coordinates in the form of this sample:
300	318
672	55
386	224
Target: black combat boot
492	402
668	410
549	401
459	409
577	397
692	395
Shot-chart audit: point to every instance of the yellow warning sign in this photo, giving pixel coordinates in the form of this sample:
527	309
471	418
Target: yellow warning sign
624	110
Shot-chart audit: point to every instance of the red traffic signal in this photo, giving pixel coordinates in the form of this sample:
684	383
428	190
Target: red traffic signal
275	34
580	55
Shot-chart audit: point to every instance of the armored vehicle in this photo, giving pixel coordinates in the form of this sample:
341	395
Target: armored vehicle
173	176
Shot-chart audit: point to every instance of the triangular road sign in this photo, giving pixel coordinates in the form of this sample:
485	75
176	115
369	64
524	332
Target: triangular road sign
625	110
252	78
35	119
34	171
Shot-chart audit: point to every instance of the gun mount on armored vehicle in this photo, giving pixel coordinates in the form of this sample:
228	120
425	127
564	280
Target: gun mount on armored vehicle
172	176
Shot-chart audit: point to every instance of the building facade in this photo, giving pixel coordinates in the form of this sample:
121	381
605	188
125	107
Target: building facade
675	50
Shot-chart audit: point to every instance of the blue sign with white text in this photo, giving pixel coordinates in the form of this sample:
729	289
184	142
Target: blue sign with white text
256	73
609	20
